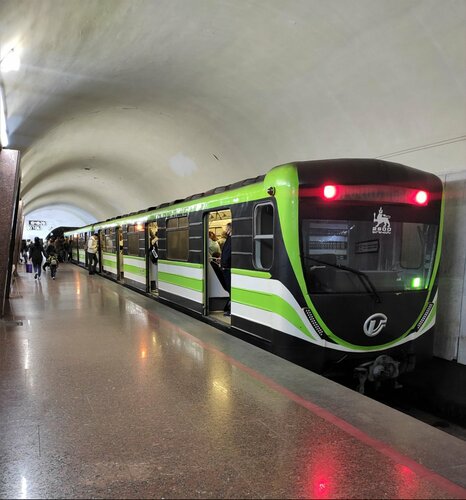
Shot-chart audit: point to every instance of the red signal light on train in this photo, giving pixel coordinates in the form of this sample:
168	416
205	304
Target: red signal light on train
330	191
421	198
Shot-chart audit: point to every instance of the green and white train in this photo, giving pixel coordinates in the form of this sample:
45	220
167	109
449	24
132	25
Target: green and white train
334	262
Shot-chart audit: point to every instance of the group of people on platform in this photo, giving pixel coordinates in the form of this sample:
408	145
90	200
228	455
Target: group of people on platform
56	250
59	250
220	260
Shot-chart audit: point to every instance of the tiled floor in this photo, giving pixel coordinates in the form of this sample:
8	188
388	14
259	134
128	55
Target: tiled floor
106	393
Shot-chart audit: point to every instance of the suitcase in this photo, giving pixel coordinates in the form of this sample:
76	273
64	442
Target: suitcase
28	267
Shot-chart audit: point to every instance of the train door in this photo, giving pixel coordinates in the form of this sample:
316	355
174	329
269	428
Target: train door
82	247
120	273
74	242
109	252
152	258
134	270
99	251
216	284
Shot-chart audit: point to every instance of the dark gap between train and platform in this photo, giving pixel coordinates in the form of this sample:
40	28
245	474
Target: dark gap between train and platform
433	394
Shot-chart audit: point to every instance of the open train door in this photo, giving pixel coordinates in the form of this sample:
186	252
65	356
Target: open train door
120	273
216	295
152	258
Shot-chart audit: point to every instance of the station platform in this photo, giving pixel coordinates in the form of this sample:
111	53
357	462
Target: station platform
106	393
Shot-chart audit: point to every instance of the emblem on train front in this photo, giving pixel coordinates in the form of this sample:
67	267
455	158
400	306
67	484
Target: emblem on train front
382	223
375	324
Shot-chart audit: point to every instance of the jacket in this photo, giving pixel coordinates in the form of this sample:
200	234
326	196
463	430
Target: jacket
36	252
92	245
225	260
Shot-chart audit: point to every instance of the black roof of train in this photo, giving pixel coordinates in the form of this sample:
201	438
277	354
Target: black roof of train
217	190
385	172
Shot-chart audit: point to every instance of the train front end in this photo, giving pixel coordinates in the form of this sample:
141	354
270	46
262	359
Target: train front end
370	236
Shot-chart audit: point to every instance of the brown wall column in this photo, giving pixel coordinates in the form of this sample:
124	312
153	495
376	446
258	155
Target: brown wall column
9	200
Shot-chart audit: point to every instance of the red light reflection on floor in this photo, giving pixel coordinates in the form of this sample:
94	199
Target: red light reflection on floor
406	480
322	472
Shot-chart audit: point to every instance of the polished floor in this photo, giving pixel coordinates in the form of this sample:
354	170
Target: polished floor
106	393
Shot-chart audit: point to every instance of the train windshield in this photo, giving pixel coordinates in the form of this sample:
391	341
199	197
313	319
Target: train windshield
353	256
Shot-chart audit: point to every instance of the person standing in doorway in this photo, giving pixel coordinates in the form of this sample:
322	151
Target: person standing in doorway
92	249
154	258
225	263
214	247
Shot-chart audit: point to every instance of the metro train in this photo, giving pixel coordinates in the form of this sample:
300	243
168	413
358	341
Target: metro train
334	262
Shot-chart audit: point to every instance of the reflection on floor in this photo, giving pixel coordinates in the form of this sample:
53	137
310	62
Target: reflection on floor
106	393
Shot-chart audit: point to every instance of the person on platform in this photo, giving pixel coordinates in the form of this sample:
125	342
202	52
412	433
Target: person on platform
36	254
92	249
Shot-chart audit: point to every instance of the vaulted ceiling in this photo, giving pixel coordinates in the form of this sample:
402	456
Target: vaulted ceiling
124	104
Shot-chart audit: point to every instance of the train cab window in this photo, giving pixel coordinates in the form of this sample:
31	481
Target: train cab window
412	246
263	236
178	238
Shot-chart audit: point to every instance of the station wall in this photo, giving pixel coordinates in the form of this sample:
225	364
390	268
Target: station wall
450	334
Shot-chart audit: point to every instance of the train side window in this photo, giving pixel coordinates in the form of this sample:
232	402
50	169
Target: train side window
263	236
178	238
133	243
136	240
108	240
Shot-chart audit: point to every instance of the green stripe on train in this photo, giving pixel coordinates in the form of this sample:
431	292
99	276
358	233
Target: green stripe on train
272	303
109	263
252	274
139	271
175	279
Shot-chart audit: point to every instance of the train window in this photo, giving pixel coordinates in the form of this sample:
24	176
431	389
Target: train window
263	236
412	246
133	243
178	238
82	241
336	252
108	240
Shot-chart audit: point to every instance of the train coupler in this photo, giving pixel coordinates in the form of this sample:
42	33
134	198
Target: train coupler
382	368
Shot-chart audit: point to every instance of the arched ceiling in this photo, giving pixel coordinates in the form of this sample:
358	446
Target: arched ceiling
124	104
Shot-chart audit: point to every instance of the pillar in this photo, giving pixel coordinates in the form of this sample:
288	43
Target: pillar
9	201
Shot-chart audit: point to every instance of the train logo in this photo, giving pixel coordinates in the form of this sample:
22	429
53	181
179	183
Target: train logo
382	223
375	324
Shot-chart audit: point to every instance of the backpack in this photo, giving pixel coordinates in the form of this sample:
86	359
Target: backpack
53	261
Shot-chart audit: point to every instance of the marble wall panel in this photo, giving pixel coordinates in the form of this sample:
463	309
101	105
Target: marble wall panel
450	335
9	192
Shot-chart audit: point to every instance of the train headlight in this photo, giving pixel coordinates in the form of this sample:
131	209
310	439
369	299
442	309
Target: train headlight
330	191
421	198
